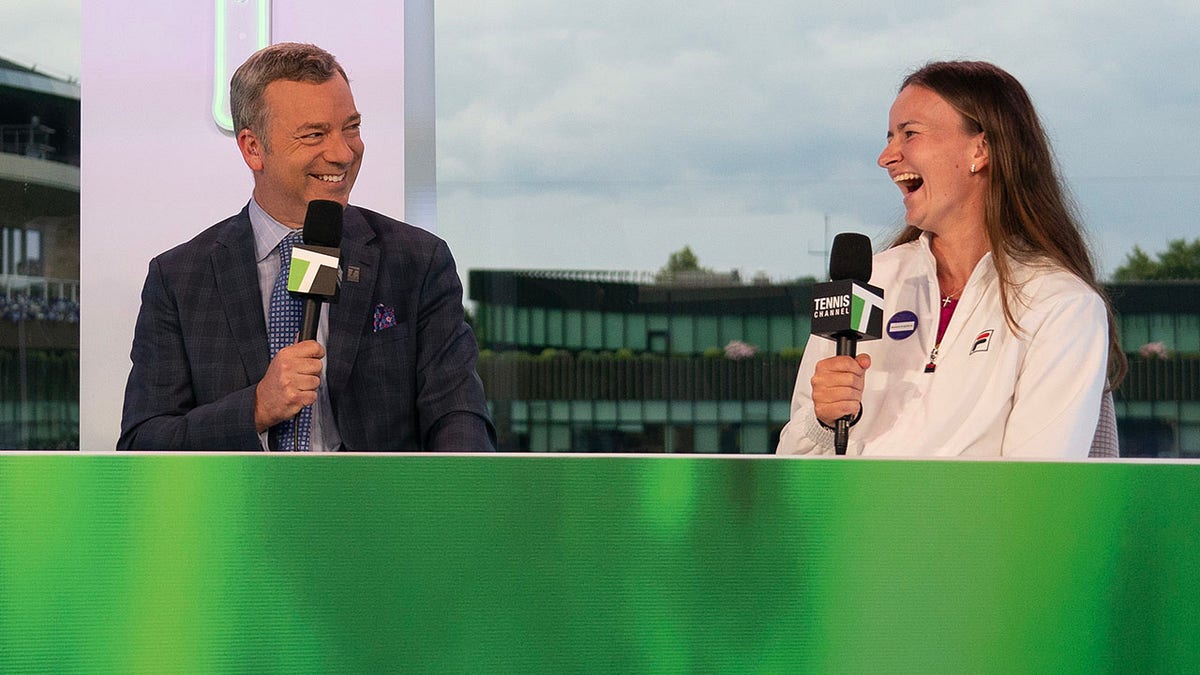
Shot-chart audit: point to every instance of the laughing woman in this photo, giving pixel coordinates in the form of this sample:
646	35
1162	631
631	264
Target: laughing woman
998	339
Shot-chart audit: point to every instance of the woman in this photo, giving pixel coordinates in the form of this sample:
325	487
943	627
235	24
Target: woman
997	338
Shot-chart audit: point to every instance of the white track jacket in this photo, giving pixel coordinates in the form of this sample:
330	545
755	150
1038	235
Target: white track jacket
993	393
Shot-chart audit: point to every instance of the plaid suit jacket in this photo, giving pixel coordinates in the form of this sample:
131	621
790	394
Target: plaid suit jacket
200	345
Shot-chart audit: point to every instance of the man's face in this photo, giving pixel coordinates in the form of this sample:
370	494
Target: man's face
312	148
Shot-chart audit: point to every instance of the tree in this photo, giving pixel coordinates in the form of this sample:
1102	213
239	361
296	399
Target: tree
1181	260
683	260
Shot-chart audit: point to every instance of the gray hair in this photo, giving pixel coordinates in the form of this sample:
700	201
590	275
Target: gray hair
284	61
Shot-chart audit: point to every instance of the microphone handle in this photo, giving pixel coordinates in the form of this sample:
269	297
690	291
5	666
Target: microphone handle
308	331
308	323
846	346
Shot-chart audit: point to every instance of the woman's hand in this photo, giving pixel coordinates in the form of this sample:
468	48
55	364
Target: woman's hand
837	387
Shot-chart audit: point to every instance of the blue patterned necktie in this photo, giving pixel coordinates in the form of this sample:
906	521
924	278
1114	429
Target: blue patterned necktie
283	325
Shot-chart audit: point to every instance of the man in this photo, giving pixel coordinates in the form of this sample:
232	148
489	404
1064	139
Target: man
393	365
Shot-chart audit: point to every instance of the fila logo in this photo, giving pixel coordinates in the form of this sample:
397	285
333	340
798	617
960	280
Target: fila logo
983	341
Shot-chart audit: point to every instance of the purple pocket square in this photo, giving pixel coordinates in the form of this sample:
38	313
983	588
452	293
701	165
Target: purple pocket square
385	317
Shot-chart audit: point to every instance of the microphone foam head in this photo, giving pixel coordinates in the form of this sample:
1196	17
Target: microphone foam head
850	258
323	223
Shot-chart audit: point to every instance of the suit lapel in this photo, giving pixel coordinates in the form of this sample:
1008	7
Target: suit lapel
349	316
236	272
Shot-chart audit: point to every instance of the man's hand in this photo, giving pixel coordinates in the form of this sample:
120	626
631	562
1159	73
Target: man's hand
290	384
837	387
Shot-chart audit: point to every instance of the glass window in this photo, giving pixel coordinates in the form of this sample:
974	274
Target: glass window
758	332
803	329
560	411
555	327
707	411
523	321
1189	440
581	411
755	436
730	411
682	411
1162	329
614	331
732	328
537	327
656	411
606	411
1135	331
782	333
573	337
708	332
508	325
593	323
629	411
1188	336
683	335
636	335
707	438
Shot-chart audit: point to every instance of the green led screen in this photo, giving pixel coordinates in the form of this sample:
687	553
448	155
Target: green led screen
239	563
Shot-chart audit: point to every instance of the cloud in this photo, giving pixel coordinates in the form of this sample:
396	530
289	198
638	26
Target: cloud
776	107
781	108
636	227
635	96
44	34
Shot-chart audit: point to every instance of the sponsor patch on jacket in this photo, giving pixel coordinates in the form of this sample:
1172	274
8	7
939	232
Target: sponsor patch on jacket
902	325
983	341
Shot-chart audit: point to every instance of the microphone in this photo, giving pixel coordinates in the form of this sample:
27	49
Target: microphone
846	308
314	274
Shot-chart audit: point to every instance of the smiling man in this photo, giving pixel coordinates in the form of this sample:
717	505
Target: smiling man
215	364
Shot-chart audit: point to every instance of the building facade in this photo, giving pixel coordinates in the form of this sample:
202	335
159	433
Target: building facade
620	362
39	259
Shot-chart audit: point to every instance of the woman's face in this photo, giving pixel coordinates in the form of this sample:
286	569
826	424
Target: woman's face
929	155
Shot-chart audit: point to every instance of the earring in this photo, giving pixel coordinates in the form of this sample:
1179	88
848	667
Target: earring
972	169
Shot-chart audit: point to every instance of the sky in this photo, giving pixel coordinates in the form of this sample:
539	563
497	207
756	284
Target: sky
42	34
604	137
607	136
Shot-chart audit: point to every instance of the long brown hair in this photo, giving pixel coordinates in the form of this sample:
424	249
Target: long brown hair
1028	214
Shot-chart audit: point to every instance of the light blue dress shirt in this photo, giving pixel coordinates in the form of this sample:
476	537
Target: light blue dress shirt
268	232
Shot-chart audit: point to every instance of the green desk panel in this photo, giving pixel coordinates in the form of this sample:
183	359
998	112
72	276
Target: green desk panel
256	563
